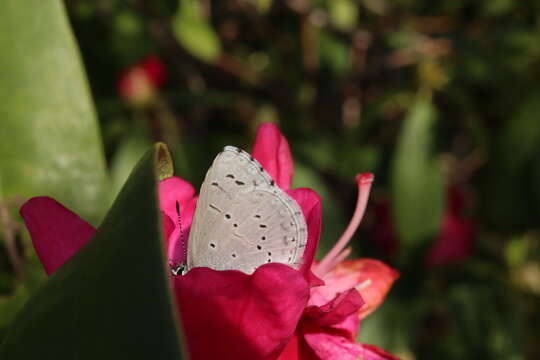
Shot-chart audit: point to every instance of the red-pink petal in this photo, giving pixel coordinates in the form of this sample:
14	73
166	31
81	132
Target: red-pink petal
154	69
336	311
455	241
313	280
243	316
383	232
271	149
339	316
167	225
310	203
292	350
370	277
371	352
456	237
328	346
56	232
175	190
171	190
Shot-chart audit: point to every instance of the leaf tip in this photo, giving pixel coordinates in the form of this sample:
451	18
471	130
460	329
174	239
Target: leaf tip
164	163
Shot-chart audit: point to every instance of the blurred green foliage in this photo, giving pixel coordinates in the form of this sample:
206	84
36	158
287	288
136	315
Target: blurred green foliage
418	189
430	96
49	133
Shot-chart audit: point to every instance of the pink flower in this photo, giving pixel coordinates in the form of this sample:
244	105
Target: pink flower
251	316
138	84
330	321
455	241
352	289
229	314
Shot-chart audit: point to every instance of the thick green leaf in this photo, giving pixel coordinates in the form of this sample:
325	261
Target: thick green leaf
49	138
126	156
417	181
194	32
112	299
9	306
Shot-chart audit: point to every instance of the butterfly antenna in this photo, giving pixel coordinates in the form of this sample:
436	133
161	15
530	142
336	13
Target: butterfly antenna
182	266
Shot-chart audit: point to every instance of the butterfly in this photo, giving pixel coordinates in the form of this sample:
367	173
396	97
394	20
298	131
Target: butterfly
243	219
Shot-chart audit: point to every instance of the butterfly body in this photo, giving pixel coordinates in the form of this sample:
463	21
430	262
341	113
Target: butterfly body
243	220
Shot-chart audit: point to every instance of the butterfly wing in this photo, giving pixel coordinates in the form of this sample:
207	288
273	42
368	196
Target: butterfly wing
243	220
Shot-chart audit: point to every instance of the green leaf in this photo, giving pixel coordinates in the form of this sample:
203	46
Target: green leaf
194	32
9	306
49	137
417	182
343	13
112	300
262	6
334	53
126	156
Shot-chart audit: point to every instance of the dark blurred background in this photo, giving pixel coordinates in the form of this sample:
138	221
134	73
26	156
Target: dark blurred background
439	99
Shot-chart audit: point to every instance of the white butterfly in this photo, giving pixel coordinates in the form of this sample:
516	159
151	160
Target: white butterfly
243	220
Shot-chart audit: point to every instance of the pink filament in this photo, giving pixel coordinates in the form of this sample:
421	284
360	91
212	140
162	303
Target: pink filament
335	255
340	257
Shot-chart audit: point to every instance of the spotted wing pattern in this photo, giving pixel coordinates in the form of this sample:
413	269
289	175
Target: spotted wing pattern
243	220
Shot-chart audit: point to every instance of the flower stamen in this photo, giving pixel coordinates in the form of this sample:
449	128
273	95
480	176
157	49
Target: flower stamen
363	182
340	257
364	284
